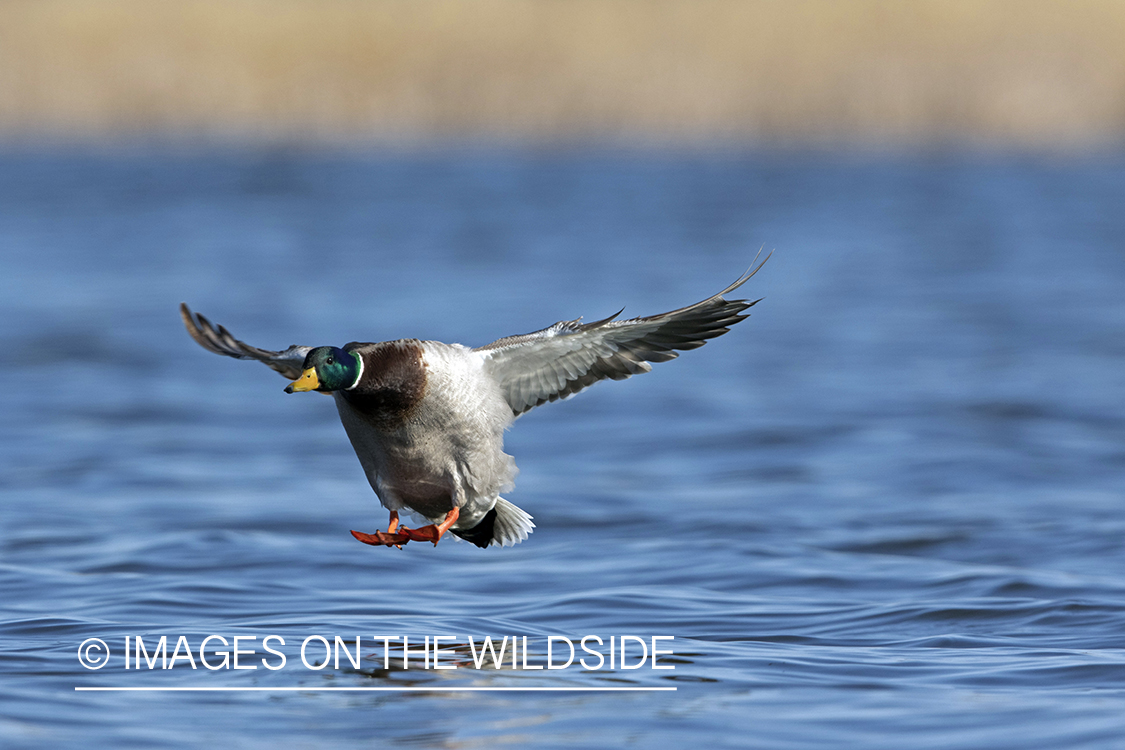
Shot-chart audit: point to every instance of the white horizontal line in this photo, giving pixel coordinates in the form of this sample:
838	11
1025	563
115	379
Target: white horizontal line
378	689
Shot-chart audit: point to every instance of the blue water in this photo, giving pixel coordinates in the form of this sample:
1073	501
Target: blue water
884	512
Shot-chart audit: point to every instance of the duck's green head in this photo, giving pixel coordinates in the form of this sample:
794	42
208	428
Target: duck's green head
327	369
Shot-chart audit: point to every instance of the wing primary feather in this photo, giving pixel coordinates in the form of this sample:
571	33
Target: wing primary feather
219	340
569	356
599	323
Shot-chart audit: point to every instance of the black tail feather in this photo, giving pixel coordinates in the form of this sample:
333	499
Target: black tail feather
481	534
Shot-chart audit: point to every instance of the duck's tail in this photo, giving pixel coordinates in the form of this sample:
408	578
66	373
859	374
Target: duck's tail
503	526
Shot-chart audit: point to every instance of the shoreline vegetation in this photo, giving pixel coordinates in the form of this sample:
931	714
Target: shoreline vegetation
1032	73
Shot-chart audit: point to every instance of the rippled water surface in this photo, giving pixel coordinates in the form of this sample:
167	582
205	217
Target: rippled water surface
884	512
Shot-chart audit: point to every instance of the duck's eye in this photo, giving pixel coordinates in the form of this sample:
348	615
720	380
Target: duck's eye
330	361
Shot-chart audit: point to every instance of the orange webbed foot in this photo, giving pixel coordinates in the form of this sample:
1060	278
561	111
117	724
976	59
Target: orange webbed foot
433	533
425	534
382	538
399	535
385	538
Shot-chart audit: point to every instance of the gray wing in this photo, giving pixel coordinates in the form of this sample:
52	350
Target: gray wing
570	356
289	363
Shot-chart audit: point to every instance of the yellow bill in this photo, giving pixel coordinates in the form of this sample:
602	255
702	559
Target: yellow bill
307	382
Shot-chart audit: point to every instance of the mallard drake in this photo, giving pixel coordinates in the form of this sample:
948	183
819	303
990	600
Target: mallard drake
427	419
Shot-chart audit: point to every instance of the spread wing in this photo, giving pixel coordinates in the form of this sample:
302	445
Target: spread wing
289	362
570	356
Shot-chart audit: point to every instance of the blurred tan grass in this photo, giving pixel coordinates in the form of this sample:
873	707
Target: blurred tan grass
1030	72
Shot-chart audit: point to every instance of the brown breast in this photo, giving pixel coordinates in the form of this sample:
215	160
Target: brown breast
392	384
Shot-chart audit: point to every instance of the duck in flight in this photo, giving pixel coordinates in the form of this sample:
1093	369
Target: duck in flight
427	419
